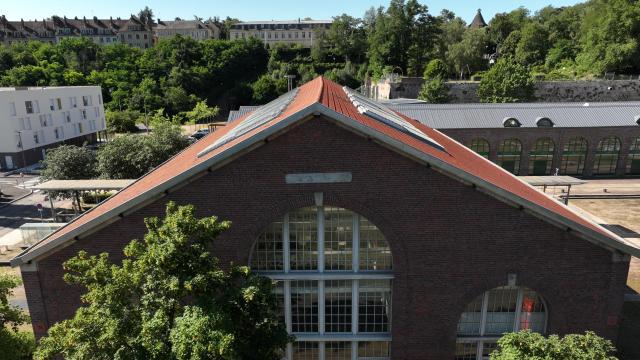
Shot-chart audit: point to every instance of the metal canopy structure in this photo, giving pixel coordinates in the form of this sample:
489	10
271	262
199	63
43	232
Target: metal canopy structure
553	181
83	185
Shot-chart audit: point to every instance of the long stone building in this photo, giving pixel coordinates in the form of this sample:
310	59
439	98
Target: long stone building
294	32
129	31
195	29
386	239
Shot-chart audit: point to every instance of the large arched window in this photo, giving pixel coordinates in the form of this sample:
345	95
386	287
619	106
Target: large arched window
541	156
498	311
481	146
574	155
606	159
333	273
633	160
509	155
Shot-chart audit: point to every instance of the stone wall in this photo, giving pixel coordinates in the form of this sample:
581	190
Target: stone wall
546	91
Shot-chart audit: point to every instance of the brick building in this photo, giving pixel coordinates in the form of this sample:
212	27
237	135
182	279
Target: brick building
387	239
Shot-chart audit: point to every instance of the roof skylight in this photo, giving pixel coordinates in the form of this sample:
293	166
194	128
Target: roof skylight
387	116
257	118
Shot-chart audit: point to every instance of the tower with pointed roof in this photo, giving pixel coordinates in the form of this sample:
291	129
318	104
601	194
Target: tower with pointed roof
478	21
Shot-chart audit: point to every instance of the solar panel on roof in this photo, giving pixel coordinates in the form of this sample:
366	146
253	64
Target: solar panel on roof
257	118
387	116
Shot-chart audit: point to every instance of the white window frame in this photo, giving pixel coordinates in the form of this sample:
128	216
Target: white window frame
321	275
480	340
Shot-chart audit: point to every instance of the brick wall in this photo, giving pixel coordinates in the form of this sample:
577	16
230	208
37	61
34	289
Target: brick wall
450	242
560	137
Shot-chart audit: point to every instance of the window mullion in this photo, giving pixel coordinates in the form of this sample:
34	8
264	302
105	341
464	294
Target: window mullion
355	251
287	305
483	317
286	245
354	350
479	349
289	354
516	321
354	306
320	239
321	319
321	350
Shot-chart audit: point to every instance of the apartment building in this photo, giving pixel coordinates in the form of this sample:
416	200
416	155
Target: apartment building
130	31
294	32
35	119
195	29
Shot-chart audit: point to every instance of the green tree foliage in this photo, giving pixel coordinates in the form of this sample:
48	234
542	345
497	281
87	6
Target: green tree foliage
168	299
434	90
526	345
266	88
201	113
533	45
15	345
347	38
467	55
436	68
69	162
122	121
506	82
131	156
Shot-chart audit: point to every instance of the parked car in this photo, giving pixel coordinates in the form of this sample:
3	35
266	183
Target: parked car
200	134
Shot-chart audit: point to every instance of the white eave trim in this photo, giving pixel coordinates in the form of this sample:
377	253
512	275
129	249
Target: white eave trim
609	242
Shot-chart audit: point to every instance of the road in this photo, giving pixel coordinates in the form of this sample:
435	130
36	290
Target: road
23	210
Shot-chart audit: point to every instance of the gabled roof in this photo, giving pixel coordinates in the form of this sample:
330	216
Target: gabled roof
321	96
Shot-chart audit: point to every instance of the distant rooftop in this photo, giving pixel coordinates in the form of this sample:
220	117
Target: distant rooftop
21	88
285	22
478	115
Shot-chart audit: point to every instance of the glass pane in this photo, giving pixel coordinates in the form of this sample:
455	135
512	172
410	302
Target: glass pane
374	305
466	351
373	350
374	249
532	315
305	350
338	238
488	348
267	254
338	350
541	156
501	311
278	289
304	306
337	305
303	235
469	323
481	146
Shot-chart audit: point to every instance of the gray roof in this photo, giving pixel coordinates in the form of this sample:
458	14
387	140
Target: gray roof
236	114
470	116
284	22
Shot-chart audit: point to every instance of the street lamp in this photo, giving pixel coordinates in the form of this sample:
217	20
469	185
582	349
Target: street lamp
24	161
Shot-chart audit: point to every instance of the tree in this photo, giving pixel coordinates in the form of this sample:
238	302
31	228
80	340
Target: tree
347	38
507	81
168	299
467	55
527	345
15	345
132	156
436	68
146	16
201	113
69	162
434	90
122	121
266	88
533	45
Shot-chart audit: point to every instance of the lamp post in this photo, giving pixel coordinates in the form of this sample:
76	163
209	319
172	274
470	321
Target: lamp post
24	161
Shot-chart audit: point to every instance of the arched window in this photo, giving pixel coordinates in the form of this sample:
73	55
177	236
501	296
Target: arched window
497	311
333	273
509	155
481	146
633	161
606	159
511	122
541	156
574	155
544	122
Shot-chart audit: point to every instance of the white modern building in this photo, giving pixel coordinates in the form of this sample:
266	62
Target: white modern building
34	119
195	29
295	32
